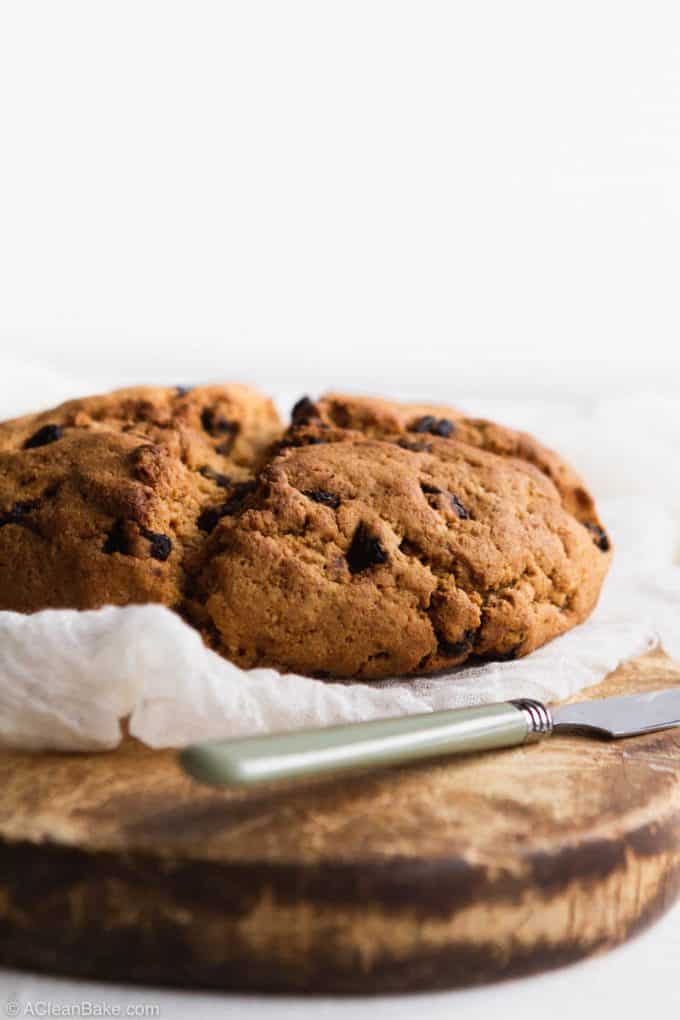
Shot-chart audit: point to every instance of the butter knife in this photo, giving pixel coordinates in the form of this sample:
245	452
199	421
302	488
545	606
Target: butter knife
248	761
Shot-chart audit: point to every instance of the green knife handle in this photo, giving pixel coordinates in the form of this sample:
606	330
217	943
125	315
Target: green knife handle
262	759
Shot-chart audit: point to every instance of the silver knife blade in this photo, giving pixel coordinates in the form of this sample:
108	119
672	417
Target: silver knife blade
625	716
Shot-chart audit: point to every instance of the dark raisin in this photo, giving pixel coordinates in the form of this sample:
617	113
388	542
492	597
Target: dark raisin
435	426
415	446
451	649
224	481
444	428
217	424
321	496
300	437
181	391
224	425
423	424
117	540
243	489
365	551
600	536
304	411
459	509
431	490
16	514
47	434
208	519
161	545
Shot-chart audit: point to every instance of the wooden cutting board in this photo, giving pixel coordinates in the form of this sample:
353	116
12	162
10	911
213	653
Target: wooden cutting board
428	876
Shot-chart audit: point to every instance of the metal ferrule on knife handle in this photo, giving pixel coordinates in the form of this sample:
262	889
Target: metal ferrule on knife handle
539	719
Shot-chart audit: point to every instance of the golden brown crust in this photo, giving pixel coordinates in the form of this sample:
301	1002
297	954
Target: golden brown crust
363	558
101	499
315	421
378	539
373	416
228	425
507	442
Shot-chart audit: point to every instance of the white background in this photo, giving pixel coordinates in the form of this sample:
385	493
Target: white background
360	192
446	196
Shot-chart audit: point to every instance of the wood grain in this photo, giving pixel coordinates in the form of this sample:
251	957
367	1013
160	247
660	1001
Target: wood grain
455	872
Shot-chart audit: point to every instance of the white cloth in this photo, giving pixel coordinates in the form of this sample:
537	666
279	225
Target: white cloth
68	678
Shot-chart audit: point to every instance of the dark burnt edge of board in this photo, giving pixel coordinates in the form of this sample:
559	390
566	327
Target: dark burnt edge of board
115	955
443	886
123	956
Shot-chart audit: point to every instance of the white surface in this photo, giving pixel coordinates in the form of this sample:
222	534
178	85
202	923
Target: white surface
445	195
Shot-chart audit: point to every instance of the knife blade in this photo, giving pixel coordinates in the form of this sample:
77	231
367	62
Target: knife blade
248	761
628	715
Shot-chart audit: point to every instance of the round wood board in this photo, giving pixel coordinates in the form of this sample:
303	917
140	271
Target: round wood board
428	876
